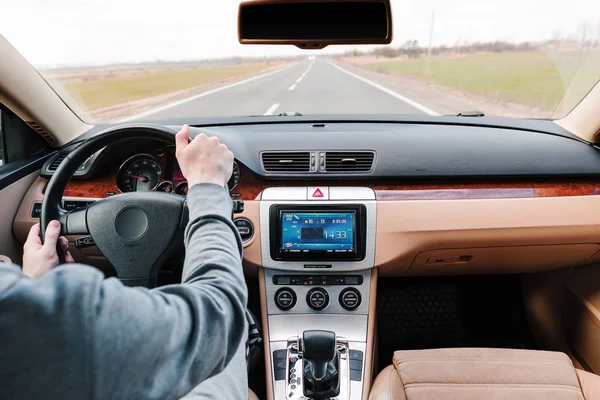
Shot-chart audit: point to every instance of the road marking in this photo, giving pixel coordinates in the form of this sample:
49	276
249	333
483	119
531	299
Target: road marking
292	87
390	92
272	109
307	70
204	94
299	79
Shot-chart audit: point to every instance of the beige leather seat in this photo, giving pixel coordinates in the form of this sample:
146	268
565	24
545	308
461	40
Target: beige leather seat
252	395
469	374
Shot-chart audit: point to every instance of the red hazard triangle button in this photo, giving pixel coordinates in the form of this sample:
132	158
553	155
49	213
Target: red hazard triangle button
318	193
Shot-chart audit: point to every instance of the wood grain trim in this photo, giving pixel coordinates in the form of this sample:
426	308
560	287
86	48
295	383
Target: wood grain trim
491	191
250	188
251	185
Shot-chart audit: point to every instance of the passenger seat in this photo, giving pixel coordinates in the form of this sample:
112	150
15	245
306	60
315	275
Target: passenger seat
469	374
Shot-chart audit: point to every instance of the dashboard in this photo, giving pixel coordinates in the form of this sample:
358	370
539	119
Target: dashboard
447	199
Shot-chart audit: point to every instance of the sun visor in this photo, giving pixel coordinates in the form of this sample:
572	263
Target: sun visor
315	24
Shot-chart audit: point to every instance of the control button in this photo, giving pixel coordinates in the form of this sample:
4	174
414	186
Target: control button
355	375
245	228
279	374
85	241
36	211
350	299
279	364
293	359
356	355
356	364
317	298
293	387
281	355
285	299
318	193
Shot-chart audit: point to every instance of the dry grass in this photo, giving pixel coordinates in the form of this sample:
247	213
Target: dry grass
536	79
96	93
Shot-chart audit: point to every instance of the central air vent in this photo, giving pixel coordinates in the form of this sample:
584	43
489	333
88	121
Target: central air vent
292	162
349	161
56	162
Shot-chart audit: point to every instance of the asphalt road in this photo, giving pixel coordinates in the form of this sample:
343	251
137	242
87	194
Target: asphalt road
308	87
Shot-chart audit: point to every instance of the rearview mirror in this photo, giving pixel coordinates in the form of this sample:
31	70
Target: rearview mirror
312	24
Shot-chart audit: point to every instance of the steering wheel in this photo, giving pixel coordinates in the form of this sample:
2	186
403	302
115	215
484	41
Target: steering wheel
135	231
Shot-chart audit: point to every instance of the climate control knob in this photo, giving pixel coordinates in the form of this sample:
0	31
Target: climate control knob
317	298
350	299
285	299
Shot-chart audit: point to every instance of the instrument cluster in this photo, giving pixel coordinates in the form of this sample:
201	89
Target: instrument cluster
143	173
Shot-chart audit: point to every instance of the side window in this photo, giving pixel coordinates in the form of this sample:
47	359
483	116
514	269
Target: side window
18	141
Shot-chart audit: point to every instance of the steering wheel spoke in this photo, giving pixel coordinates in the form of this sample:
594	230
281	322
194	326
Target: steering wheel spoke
74	222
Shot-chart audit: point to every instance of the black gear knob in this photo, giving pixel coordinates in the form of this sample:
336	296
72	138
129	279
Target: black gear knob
318	349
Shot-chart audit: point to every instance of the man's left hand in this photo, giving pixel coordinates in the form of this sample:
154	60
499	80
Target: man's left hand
40	258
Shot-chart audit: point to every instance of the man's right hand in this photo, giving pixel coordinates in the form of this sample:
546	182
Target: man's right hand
204	159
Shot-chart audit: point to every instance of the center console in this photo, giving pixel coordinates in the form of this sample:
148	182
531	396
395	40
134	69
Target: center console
318	249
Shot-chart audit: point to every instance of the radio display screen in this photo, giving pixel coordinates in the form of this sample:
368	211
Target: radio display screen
308	232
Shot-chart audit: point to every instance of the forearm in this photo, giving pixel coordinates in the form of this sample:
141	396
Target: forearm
192	329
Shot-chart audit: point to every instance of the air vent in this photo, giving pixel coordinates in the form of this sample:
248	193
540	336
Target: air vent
42	132
349	161
292	162
56	162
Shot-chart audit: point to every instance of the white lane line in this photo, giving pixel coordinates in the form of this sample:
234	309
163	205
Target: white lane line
299	79
292	87
272	109
204	94
390	92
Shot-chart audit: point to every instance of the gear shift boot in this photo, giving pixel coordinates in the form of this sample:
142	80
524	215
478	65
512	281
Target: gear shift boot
321	365
326	388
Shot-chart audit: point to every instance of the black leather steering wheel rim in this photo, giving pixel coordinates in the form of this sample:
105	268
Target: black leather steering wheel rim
105	216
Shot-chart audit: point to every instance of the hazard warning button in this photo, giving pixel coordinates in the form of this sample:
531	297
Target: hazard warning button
318	193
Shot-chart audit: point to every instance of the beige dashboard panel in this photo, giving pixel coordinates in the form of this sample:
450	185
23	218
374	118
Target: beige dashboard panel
511	259
582	315
407	228
252	253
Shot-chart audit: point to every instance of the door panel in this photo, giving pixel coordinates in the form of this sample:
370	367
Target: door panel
10	200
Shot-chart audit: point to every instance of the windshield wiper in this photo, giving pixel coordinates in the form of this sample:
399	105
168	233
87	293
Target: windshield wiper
470	114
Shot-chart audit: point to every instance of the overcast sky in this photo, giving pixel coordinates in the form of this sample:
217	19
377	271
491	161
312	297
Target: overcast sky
55	32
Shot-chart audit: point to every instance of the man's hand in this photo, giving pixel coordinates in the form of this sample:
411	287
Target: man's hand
40	258
204	159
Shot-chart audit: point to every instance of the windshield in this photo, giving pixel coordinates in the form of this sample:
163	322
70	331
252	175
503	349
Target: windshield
150	60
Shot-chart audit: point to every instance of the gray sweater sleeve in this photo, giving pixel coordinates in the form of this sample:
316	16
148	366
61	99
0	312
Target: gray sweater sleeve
126	343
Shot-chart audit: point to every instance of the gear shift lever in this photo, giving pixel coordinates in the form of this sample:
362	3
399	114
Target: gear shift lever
318	348
321	364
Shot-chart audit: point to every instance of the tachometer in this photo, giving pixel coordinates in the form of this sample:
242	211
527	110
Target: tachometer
235	176
139	173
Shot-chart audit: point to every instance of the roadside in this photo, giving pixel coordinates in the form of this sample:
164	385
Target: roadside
444	99
103	92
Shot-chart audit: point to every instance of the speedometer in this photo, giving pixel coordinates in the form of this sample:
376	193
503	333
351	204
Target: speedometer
139	173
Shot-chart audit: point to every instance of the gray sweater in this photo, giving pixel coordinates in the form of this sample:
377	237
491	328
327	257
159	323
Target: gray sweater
73	335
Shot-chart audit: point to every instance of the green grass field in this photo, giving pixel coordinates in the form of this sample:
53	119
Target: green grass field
535	79
104	92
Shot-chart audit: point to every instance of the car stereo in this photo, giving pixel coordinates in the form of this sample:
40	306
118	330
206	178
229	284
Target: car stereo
323	233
